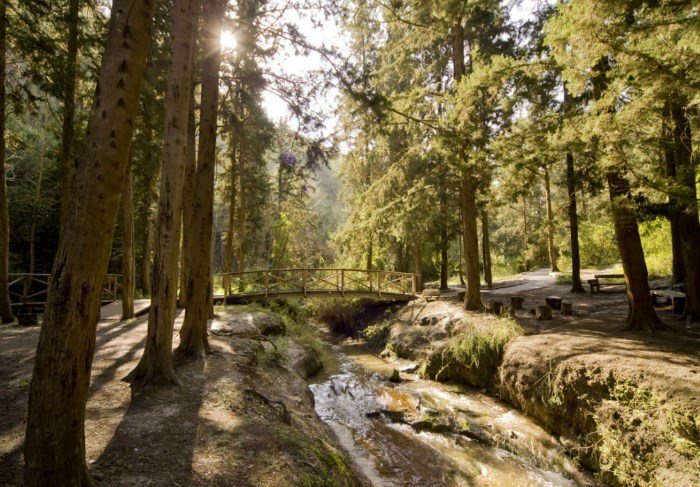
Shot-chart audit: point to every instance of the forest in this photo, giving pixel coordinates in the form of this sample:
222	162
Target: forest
175	142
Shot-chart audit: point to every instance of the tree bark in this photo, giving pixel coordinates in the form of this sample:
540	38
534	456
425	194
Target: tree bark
68	129
550	223
526	259
146	245
472	296
668	145
156	361
418	262
6	314
231	228
54	448
642	315
687	210
193	335
128	270
486	247
189	199
444	240
242	209
576	286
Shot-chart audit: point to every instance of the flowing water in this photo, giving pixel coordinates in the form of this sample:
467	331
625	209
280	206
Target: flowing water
423	433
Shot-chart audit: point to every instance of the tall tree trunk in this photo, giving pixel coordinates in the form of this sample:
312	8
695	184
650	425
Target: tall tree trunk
526	259
486	247
146	244
54	449
668	143
156	361
418	262
687	209
550	223
472	298
6	314
193	335
576	286
231	228
444	241
128	250
642	315
189	198
370	257
68	129
242	208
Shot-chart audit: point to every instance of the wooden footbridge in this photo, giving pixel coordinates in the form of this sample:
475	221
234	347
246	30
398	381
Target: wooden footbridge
288	283
28	291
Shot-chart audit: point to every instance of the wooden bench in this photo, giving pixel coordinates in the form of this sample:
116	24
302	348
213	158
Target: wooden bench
676	298
595	282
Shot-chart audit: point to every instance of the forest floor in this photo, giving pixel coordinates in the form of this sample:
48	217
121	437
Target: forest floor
246	416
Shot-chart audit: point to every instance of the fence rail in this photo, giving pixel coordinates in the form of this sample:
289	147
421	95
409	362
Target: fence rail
34	288
280	282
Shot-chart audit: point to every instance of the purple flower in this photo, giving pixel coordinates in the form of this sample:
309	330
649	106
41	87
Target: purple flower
304	188
288	159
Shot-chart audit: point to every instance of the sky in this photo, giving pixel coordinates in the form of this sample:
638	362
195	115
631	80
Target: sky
330	35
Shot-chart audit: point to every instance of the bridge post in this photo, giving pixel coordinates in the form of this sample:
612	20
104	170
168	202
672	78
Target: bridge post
342	282
414	278
304	274
266	282
379	283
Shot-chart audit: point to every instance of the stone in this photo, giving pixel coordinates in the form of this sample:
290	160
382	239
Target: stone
395	376
409	369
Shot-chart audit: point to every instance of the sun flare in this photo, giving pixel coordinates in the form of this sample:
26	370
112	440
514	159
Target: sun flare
228	40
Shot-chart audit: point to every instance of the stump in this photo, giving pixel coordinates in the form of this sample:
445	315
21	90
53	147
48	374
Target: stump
567	308
496	306
553	301
543	312
594	284
517	301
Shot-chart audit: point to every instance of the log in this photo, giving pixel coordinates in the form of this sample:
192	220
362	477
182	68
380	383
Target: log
543	312
517	301
567	308
553	301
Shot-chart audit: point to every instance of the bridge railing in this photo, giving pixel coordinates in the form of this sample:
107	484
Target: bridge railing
34	288
303	280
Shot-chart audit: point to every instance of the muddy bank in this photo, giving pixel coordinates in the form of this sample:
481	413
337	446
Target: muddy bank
624	405
243	418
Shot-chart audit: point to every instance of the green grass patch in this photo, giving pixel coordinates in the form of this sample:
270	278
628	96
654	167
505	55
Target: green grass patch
472	357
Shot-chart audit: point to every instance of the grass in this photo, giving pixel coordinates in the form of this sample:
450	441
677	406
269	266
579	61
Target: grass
473	356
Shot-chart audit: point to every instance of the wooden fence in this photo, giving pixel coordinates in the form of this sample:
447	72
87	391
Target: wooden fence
285	282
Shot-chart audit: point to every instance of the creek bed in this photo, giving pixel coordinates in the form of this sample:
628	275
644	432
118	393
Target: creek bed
425	433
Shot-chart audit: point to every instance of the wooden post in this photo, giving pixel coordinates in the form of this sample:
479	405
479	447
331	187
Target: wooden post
304	274
379	283
342	282
266	281
369	277
543	312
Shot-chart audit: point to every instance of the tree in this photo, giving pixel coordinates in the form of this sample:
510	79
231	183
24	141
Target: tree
128	269
193	335
55	439
6	314
156	361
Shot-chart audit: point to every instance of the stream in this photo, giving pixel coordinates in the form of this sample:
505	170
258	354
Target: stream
424	433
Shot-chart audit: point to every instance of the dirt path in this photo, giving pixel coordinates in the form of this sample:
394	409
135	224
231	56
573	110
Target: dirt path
245	418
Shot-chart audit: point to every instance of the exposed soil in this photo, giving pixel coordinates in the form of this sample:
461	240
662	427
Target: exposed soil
624	403
243	418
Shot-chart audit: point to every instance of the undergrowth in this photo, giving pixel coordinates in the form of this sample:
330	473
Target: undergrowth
474	355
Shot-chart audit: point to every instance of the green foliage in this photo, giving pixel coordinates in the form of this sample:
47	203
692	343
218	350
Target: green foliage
474	355
338	313
657	247
376	335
